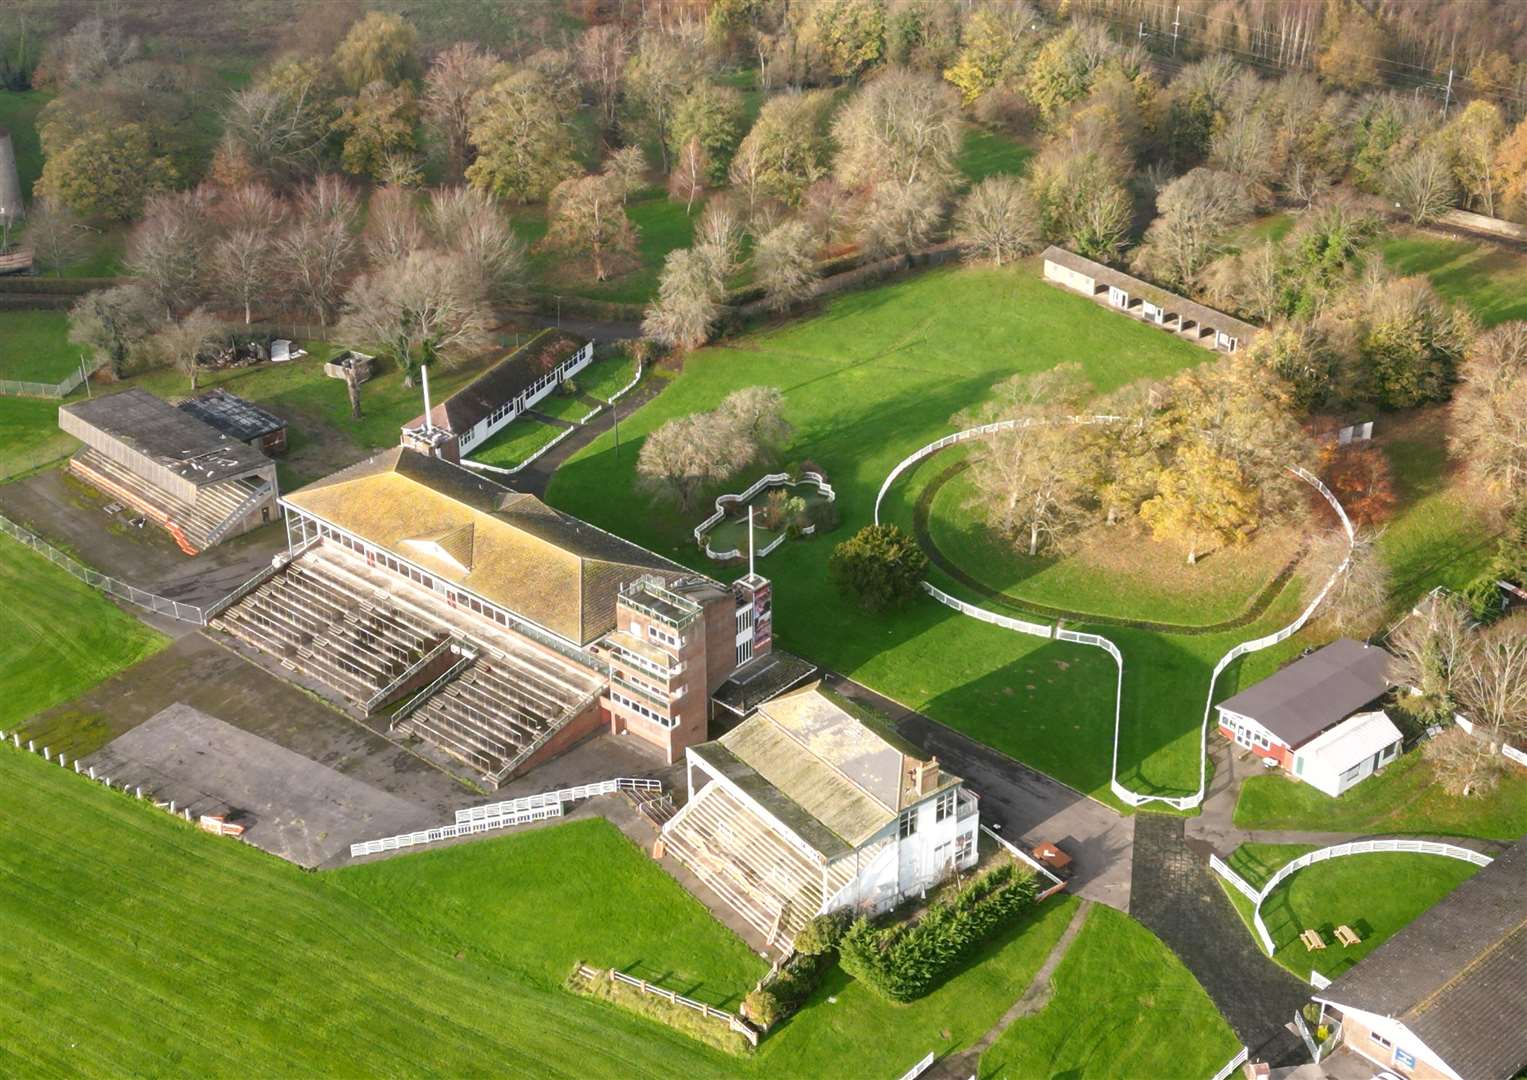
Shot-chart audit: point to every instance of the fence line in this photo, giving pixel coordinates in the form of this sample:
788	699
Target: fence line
531	802
767	480
447	832
919	1068
61	389
1352	847
710	1012
95	579
1232	1065
1220	867
624	390
1124	794
1018	853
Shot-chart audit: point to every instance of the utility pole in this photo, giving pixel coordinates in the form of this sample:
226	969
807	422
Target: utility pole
1447	97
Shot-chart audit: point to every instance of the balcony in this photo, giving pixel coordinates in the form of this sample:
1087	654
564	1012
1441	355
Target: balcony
969	805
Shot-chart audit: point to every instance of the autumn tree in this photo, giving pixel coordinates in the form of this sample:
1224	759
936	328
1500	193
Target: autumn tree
113	323
601	53
1196	212
995	43
712	116
719	235
1472	139
785	263
588	220
626	168
319	249
880	567
1422	184
786	150
378	48
684	456
1492	685
244	258
523	146
1511	166
658	75
166	250
1360	478
1489	413
896	218
1078	184
849	33
106	173
180	342
378	126
457	78
54	233
1352	46
1410	341
688	300
428	307
1202	498
691	171
902	127
998	220
1122	460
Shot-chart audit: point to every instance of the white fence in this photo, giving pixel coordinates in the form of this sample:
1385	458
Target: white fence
919	1068
1124	794
548	798
1336	851
95	579
1319	981
771	480
448	832
58	390
710	1012
1232	1065
1018	853
624	390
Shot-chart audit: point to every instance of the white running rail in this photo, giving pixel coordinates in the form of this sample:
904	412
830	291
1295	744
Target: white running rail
448	832
549	798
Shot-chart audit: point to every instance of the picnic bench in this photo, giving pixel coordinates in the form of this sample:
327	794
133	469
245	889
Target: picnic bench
1312	940
1347	936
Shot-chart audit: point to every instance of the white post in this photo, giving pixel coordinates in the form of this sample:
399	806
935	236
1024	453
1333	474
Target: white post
750	540
428	423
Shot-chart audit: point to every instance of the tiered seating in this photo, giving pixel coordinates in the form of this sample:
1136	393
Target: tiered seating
761	875
321	624
497	709
195	526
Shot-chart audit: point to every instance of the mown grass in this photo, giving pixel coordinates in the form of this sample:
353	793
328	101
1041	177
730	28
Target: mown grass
1489	280
662	225
876	375
1375	894
29	436
986	153
1405	798
1123	1006
567	407
197	955
34	346
59	636
606	376
18	115
515	441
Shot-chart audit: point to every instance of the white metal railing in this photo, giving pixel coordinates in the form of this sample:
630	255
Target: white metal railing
447	832
161	605
673	997
1354	847
1232	1065
381	695
512	470
624	390
237	514
565	795
1018	853
1319	981
919	1068
1124	794
413	703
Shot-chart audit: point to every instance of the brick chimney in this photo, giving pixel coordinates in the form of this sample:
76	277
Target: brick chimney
925	776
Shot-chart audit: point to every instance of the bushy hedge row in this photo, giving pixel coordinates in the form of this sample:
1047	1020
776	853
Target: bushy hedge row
38	285
787	989
902	962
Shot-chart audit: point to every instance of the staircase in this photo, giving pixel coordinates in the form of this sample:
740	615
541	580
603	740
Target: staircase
194	526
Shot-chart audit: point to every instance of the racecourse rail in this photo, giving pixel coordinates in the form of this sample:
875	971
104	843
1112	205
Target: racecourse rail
1058	633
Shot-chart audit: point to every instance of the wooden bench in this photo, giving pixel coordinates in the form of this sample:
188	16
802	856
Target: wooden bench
1312	940
1347	936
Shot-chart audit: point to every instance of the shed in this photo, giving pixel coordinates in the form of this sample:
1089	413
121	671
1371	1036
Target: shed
239	419
1341	756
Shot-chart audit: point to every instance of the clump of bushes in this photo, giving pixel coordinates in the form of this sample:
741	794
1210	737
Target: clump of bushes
788	988
902	962
879	566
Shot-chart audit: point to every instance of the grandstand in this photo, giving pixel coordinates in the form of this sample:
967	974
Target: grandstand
487	623
185	476
805	808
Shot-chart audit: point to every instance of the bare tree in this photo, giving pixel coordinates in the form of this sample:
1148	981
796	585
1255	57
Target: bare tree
785	260
688	301
753	420
468	223
456	80
281	128
427	307
657	77
720	233
899	218
393	226
1421	183
1492	685
244	258
114	322
1356	603
165	249
54	235
829	208
1489	413
903	126
684	456
691	169
998	220
320	248
1197	210
588	220
1430	648
182	342
601	53
627	169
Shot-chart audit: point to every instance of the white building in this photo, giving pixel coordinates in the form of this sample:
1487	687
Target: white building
804	808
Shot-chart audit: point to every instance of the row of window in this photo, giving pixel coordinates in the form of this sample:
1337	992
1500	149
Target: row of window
641	710
943	809
629	657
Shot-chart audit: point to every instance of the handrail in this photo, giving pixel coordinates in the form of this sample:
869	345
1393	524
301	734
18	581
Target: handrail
413	703
237	513
413	669
582	791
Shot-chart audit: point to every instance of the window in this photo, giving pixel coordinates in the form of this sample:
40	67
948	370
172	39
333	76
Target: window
1376	1037
944	808
907	826
942	853
965	846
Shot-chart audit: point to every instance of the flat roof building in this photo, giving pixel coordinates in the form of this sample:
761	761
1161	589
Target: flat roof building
239	419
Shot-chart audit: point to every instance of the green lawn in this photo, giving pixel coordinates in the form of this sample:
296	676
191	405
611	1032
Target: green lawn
1376	894
606	376
1404	798
1489	280
34	346
564	407
515	441
1123	1006
879	374
197	955
59	636
986	153
18	115
662	225
29	436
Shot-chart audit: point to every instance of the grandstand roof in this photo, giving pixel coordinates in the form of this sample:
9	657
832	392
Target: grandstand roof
188	447
502	382
827	775
507	547
232	415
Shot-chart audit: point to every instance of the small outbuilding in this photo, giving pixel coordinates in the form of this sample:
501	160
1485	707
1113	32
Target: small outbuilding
239	419
341	366
466	419
1317	718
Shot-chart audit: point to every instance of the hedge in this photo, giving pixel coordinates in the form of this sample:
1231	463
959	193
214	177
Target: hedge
902	962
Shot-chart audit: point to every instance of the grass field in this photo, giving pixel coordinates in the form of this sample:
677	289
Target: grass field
878	374
1490	281
1376	894
1404	798
987	153
1123	1006
59	636
29	436
515	441
195	955
34	346
606	376
662	225
564	407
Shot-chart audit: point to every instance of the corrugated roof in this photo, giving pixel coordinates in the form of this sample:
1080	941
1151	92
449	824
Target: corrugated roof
510	548
232	415
1316	691
502	382
1457	975
1168	301
1355	739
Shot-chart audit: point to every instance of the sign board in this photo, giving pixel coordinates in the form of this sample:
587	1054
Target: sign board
1404	1058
